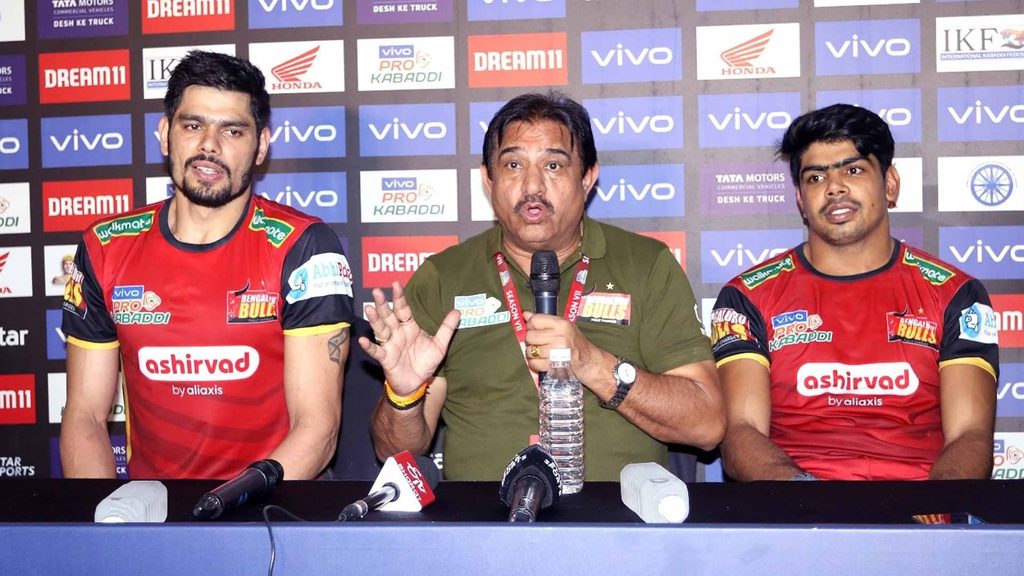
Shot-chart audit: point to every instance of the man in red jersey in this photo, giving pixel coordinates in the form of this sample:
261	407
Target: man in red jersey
853	356
229	314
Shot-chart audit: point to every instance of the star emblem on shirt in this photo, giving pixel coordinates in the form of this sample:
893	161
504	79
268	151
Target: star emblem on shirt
609	286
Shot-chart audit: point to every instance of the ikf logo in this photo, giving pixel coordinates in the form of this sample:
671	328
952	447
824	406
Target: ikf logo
406	63
980	184
308	132
900	108
911	171
320	194
13	144
1010	391
164	17
978	43
15	272
726	253
647	55
639	191
158	63
518	60
637	123
17	399
985	252
87	141
407	130
301	67
748	51
15	208
295	13
71	205
867	47
480	114
675	241
1010	313
403	11
409	196
477	10
12	80
96	76
988	113
388	259
745	119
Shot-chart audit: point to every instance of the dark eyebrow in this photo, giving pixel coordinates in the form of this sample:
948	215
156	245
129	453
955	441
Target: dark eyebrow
513	149
834	166
233	123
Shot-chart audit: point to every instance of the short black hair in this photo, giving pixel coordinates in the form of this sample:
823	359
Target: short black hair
221	71
868	133
536	107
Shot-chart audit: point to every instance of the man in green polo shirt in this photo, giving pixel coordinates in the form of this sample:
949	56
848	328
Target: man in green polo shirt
449	343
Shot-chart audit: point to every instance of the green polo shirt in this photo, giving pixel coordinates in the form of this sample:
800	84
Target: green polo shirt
492	403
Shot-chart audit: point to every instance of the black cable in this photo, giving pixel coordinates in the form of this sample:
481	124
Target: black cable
270	531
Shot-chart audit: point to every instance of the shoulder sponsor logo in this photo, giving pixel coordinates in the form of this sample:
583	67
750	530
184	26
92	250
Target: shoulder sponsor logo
74	296
725	254
880	379
17	401
1010	390
158	63
13	144
645	55
518	60
87	141
1009	310
867	47
933	272
978	43
388	259
409	196
301	67
134	305
478	10
637	123
745	119
728	326
12	80
980	183
748	51
759	276
403	11
406	63
653	190
796	327
198	364
61	19
314	132
911	329
15	208
407	130
320	194
325	274
985	252
749	188
15	272
480	310
126	226
74	204
295	13
248	306
277	231
978	323
981	113
169	16
900	108
95	76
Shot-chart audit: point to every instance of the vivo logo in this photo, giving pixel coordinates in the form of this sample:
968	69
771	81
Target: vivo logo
289	132
982	252
640	55
622	123
397	130
320	194
980	113
896	116
78	141
299	199
1013	390
295	5
639	191
398	184
10	145
127	293
623	191
621	56
406	51
740	120
744	257
726	253
855	47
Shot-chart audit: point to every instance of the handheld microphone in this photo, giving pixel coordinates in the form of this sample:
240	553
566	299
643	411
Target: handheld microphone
530	484
256	481
405	484
136	501
655	494
544	281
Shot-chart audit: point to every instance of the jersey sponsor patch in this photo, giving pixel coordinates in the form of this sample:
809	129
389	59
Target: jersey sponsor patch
134	305
124	226
74	299
979	323
933	272
198	363
326	274
759	276
247	306
797	327
918	330
606	308
880	379
277	231
480	310
728	326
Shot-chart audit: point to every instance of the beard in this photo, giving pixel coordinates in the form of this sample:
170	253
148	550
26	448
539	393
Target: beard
209	196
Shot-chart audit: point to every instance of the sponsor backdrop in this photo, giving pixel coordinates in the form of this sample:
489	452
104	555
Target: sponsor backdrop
379	113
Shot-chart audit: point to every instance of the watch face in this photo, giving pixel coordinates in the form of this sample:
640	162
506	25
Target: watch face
626	372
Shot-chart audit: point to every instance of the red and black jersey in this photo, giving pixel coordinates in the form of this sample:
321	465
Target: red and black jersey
201	329
854	361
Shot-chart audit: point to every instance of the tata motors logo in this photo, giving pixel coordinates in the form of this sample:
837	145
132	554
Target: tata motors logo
637	123
94	76
1010	391
748	51
314	132
745	119
514	9
727	253
867	47
87	141
198	363
981	113
977	43
71	205
639	191
320	194
881	379
15	212
158	63
388	259
407	130
404	11
62	19
409	196
900	108
518	60
985	252
13	144
747	188
17	399
295	13
169	16
406	63
301	67
980	183
644	55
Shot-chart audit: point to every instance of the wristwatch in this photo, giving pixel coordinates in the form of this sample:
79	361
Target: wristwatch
625	377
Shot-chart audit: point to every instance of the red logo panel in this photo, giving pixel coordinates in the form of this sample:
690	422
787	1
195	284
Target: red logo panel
1010	309
518	60
169	16
18	399
388	259
676	242
70	206
95	76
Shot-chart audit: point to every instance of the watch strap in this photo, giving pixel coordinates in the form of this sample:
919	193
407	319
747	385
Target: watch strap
622	387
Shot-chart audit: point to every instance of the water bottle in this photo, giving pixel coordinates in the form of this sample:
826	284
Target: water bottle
136	501
561	419
655	494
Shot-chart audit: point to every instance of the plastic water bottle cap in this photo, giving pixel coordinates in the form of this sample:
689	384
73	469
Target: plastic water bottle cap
673	508
560	355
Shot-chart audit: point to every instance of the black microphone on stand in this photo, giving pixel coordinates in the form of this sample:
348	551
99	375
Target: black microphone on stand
257	480
544	281
530	484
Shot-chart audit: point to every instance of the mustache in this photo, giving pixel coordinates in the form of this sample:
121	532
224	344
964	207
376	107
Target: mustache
211	160
533	199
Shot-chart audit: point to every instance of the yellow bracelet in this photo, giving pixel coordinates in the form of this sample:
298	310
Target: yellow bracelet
404	402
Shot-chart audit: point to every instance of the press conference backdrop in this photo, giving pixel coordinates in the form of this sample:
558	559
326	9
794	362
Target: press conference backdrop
379	114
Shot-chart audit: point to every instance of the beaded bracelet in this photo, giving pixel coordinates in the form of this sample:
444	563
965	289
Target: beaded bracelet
404	402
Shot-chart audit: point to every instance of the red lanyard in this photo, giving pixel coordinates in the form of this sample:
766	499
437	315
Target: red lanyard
508	290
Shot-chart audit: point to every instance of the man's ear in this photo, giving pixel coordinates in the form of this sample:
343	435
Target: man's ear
590	178
162	127
264	145
892	186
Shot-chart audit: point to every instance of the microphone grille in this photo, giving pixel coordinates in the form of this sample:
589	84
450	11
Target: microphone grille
430	471
544	263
